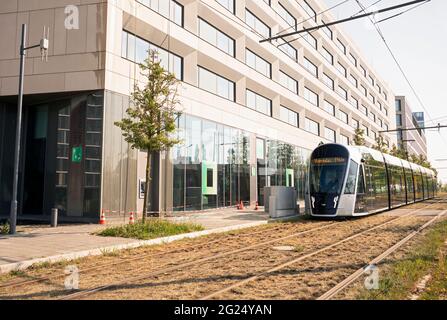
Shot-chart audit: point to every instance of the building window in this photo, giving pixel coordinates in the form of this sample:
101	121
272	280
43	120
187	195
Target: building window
379	88
217	38
374	135
168	8
256	23
386	111
329	134
136	50
327	31
216	84
398	104
228	4
259	64
355	124
344	140
379	105
312	126
353	80
354	102
342	92
364	90
309	10
259	103
372	116
371	98
328	56
371	80
341	46
283	13
289	50
353	59
364	110
288	82
343	116
328	81
341	69
312	68
365	130
329	107
311	96
310	39
385	96
289	116
398	120
363	70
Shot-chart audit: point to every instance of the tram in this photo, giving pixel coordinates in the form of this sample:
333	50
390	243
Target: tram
358	181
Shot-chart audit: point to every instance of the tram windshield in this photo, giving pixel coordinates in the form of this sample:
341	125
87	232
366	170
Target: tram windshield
326	175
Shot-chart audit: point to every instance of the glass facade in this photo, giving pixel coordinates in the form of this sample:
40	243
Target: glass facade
281	164
213	168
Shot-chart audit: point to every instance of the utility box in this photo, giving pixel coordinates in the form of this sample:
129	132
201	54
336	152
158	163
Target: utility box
280	201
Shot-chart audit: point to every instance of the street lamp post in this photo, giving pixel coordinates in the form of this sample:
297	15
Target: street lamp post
44	48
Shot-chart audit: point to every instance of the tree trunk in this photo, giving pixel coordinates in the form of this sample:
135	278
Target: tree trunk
148	178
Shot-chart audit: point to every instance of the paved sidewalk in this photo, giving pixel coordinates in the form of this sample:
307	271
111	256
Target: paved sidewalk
35	244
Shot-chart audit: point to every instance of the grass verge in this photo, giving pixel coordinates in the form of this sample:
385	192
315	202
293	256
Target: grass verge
153	228
399	280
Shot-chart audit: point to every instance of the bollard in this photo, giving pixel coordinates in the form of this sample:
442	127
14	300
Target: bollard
54	213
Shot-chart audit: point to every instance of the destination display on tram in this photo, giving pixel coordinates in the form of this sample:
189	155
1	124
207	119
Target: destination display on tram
332	160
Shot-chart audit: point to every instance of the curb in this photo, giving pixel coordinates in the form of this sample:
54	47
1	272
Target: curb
22	265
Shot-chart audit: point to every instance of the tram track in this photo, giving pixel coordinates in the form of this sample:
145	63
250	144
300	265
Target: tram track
301	258
358	273
177	265
13	284
89	292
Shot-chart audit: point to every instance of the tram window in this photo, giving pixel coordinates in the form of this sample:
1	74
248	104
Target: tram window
327	174
352	175
361	182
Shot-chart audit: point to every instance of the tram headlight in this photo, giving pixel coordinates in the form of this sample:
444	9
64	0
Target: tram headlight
335	202
313	201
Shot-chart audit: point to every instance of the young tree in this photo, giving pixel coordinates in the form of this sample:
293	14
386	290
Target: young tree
381	145
400	152
151	119
359	137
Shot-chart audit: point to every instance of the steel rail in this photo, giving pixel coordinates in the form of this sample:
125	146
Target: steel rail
354	276
309	255
166	269
13	284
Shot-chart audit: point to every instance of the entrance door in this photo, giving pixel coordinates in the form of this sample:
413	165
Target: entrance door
35	152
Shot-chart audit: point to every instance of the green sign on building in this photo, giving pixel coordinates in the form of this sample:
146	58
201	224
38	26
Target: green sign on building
76	154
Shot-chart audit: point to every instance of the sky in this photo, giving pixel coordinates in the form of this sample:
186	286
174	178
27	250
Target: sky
418	39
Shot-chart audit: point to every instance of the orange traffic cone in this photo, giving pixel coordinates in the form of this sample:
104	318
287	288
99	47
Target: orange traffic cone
131	219
102	219
257	206
241	206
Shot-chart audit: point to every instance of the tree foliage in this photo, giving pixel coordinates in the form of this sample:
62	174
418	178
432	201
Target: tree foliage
359	137
381	145
151	119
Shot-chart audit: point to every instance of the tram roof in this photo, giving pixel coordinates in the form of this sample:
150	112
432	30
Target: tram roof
381	157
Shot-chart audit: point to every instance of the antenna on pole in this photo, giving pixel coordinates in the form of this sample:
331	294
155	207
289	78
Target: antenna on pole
44	43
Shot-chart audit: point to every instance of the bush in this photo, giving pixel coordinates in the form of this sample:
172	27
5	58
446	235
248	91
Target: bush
4	228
